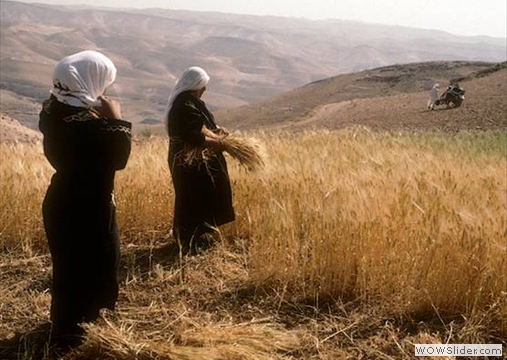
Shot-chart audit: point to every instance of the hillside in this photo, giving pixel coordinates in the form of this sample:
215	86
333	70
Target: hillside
250	58
389	98
11	131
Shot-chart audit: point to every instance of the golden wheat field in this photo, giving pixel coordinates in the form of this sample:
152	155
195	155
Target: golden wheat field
347	245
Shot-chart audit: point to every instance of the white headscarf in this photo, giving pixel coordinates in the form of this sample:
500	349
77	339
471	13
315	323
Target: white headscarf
193	78
79	79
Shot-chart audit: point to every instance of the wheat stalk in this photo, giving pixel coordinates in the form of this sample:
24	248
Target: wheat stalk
249	152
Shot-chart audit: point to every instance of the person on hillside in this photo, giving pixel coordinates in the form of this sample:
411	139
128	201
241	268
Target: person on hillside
433	96
203	196
85	141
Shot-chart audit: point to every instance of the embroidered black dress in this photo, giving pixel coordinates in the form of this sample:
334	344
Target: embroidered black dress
79	210
203	192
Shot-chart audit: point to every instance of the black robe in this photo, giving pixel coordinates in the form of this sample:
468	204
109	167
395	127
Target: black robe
79	211
203	191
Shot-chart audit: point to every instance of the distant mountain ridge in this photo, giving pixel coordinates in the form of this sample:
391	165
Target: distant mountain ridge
249	58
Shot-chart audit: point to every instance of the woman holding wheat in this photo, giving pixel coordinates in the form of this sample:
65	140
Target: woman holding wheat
203	196
85	141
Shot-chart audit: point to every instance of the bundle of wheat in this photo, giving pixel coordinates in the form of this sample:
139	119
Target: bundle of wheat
249	152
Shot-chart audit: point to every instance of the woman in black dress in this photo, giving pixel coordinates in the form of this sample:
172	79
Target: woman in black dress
86	142
203	192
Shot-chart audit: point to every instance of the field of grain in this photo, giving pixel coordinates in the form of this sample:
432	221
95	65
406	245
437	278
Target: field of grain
348	245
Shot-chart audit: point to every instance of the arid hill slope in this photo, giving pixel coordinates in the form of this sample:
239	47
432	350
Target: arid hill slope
391	98
12	131
249	58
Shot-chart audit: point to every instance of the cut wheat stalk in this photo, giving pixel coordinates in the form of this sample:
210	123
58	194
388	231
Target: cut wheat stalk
249	152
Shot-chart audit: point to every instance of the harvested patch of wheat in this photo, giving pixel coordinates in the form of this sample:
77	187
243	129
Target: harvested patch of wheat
260	340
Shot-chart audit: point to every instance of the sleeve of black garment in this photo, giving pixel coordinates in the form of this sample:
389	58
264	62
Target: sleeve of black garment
192	123
116	136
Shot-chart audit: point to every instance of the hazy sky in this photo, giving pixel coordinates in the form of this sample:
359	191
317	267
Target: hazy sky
461	17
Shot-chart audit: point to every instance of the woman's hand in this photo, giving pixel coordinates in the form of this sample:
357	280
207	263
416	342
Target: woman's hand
214	144
110	108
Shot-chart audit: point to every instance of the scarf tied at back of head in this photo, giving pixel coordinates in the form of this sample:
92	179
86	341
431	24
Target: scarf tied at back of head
193	78
80	79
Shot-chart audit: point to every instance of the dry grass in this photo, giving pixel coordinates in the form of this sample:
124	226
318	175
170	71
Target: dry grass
349	245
